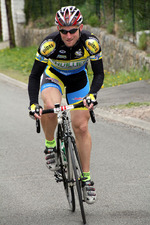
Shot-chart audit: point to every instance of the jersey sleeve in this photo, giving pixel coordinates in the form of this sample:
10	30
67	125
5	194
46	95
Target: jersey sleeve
96	56
98	76
46	48
48	45
93	47
41	58
34	80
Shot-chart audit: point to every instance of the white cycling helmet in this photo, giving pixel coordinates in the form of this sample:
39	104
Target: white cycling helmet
68	16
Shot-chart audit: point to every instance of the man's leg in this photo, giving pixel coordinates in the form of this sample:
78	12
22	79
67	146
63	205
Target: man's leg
50	96
80	120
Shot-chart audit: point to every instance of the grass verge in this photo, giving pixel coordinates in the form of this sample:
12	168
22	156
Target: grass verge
17	63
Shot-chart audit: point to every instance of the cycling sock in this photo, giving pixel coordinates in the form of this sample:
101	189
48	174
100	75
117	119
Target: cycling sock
87	175
50	144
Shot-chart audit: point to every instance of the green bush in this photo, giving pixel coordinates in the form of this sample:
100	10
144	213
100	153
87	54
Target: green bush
86	12
110	28
44	22
94	20
142	42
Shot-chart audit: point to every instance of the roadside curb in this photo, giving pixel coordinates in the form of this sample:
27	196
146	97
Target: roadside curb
135	122
13	81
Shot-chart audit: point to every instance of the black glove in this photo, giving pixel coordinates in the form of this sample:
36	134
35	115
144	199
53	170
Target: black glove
91	98
34	108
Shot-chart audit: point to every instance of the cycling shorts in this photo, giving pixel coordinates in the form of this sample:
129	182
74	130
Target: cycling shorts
77	84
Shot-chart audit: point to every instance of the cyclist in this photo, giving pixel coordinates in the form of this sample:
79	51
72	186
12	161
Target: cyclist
62	59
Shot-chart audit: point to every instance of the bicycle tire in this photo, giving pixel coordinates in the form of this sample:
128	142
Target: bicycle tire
67	178
76	170
69	175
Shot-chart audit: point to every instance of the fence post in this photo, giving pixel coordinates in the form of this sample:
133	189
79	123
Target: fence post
114	15
133	20
97	5
103	8
10	23
51	6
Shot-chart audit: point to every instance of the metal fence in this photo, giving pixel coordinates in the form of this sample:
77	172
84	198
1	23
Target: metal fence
119	15
132	14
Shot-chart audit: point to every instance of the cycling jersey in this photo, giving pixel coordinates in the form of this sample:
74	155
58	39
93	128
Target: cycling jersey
67	67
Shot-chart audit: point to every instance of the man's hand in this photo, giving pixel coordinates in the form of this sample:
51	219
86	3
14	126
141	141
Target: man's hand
89	101
35	111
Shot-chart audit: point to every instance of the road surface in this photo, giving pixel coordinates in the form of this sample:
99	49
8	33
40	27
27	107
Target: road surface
29	195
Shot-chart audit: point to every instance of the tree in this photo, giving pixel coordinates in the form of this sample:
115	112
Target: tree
10	24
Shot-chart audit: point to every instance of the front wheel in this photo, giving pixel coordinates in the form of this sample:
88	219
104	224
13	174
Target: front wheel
71	197
67	177
77	172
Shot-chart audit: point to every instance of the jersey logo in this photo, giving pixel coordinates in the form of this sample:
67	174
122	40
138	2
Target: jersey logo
96	56
62	51
47	47
41	58
78	53
62	56
92	45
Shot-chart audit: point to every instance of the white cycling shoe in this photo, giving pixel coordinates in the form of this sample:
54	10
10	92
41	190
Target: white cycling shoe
89	192
51	158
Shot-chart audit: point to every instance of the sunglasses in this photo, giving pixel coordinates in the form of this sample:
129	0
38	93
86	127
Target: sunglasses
72	31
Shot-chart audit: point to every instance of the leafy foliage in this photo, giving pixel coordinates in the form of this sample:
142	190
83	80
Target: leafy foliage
134	13
143	41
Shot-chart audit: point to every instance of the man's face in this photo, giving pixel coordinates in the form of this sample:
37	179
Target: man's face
68	38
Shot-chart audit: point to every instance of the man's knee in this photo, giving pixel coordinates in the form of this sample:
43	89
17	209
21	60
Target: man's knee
80	128
80	122
50	97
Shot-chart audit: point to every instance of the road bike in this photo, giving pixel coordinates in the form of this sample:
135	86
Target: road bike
68	166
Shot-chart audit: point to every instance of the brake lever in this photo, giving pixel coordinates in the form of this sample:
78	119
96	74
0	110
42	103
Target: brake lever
38	127
92	114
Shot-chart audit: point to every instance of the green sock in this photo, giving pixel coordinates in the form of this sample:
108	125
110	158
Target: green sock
87	175
50	144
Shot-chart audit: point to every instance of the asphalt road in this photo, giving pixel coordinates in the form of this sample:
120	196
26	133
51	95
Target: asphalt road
29	194
138	91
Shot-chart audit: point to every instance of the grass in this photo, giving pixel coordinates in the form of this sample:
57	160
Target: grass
122	77
17	63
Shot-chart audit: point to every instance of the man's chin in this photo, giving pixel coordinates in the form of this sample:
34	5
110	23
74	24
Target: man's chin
69	43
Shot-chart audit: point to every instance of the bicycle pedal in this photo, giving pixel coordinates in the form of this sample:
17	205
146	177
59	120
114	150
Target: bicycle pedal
58	180
58	176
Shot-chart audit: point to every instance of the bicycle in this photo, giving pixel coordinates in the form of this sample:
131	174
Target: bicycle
69	168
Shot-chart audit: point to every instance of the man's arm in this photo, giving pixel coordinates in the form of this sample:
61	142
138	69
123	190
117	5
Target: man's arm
98	75
34	81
